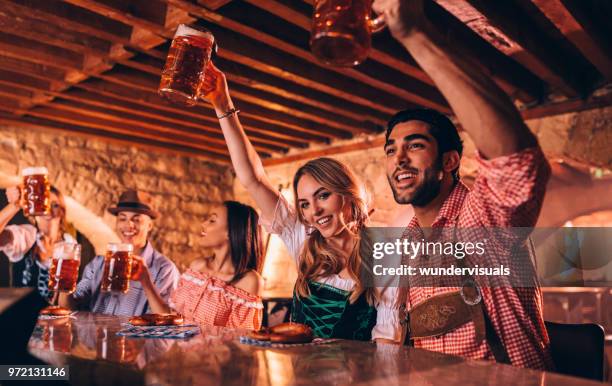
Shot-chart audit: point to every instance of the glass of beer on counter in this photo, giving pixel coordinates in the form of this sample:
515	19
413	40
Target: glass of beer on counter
36	193
120	266
185	68
65	264
342	30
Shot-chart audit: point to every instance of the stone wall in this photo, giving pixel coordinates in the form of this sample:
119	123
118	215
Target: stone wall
584	137
92	173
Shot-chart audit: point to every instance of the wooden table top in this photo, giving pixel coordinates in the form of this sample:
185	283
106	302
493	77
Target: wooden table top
97	356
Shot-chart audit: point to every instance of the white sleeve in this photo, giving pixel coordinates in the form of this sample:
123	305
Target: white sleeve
287	225
388	324
24	237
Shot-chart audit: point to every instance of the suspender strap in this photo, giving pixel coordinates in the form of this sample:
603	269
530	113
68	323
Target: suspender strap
495	344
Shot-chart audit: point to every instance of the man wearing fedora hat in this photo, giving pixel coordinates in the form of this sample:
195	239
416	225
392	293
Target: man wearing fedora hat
135	214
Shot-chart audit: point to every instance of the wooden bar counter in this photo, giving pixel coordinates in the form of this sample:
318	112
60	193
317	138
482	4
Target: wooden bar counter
97	356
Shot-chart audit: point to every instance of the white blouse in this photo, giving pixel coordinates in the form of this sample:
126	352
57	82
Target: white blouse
287	225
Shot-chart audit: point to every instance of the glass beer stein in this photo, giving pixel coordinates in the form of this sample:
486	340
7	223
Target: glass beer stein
120	267
342	30
185	68
36	193
64	270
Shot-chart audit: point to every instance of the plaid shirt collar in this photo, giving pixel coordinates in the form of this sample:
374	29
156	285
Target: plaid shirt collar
450	210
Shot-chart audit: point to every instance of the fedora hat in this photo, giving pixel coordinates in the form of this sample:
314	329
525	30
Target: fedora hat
134	201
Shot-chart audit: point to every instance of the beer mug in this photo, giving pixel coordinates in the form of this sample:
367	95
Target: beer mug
36	192
120	267
65	263
342	30
185	68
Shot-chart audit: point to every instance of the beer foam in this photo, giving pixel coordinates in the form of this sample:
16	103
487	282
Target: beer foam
34	170
185	30
120	247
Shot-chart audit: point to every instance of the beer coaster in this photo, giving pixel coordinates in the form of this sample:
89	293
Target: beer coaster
163	332
130	325
264	343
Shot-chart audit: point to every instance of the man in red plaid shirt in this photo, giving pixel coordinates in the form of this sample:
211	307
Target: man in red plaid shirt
423	152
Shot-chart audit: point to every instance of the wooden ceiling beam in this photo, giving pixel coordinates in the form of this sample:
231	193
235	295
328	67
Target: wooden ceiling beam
147	82
95	93
70	17
20	48
209	135
111	137
37	70
149	18
525	42
33	29
127	94
176	120
9	104
589	44
78	119
564	107
515	79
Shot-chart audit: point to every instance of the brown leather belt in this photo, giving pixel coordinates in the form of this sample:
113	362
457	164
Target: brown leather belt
444	313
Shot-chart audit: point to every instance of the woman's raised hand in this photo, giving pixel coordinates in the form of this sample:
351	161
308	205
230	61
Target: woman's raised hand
214	88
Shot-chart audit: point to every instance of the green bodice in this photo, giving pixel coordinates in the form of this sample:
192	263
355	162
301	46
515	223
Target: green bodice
330	315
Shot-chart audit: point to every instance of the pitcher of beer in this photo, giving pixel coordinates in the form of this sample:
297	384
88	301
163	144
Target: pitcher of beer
120	267
185	68
36	196
65	263
342	30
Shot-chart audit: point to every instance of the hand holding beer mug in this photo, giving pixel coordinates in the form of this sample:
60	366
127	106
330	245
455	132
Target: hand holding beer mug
64	270
186	65
342	30
36	190
119	264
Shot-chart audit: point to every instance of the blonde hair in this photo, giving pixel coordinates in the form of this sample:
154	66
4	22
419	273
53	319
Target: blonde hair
318	258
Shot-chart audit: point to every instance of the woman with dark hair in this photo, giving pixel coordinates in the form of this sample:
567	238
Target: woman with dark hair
223	289
30	247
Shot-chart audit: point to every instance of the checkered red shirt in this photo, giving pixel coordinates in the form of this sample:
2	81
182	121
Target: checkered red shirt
508	192
211	301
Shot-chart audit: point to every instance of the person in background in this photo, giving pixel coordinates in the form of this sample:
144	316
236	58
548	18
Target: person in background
223	289
30	247
135	215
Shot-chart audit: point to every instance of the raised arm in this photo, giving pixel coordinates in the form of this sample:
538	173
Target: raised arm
482	108
246	161
13	195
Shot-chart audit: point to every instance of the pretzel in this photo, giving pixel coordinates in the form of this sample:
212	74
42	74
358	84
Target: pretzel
284	333
157	320
291	333
55	311
263	334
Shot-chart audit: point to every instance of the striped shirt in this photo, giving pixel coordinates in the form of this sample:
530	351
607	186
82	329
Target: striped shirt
165	277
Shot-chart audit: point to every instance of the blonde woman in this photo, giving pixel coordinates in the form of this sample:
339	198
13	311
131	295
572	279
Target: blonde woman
321	232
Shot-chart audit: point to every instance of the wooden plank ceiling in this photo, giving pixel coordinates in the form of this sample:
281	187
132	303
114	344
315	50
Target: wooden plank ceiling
92	67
